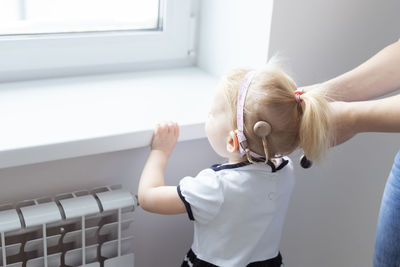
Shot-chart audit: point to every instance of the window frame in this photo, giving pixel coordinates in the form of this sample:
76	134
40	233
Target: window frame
54	55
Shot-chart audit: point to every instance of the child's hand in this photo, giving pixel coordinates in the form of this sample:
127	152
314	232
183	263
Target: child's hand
165	137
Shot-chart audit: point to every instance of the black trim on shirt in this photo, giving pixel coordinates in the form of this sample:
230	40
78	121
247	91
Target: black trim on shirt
193	260
283	164
219	167
187	205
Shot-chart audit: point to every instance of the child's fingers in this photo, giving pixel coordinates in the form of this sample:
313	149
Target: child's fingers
157	128
170	127
173	128
176	129
165	128
158	131
165	136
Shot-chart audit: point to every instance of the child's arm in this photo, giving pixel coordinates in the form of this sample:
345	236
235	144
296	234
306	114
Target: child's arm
153	195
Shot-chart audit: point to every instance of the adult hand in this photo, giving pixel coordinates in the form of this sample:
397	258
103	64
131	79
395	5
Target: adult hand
343	121
165	137
343	118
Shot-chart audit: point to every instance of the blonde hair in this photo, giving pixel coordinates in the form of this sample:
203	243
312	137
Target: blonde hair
271	98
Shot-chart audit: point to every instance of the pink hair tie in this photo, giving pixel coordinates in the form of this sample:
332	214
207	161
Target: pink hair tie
297	94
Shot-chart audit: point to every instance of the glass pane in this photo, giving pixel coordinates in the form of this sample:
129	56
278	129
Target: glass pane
61	16
8	11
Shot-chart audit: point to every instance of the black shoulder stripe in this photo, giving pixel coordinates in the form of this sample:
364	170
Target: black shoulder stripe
283	164
272	165
187	205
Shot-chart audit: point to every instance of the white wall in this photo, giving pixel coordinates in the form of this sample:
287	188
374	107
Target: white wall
332	217
322	39
233	33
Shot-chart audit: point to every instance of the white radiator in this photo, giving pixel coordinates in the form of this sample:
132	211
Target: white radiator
85	228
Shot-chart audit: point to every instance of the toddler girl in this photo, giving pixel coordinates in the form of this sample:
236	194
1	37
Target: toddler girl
238	208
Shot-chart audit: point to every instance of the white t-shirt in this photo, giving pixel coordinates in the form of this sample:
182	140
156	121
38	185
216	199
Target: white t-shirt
238	211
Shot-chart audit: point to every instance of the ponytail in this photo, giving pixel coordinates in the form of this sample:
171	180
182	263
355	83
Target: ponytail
315	133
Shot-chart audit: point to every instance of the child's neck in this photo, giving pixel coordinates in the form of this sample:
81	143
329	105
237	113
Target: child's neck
235	159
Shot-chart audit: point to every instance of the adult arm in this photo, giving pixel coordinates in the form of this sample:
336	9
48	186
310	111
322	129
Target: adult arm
350	118
377	76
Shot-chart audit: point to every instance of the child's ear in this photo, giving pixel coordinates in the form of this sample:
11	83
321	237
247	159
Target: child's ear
232	144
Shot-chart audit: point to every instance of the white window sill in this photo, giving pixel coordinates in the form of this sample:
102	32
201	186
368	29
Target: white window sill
62	118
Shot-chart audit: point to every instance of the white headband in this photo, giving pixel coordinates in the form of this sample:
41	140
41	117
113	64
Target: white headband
239	114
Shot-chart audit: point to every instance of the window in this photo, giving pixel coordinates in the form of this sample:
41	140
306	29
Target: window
50	38
69	16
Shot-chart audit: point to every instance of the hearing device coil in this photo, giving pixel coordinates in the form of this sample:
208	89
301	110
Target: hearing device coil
262	129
